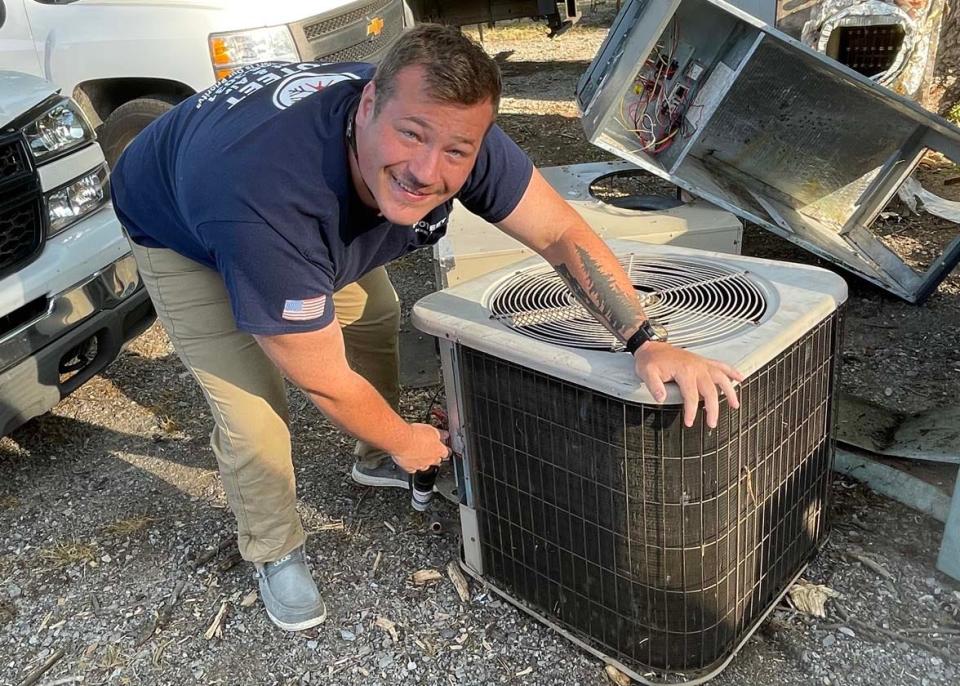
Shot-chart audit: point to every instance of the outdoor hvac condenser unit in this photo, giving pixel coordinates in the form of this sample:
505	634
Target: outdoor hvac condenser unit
744	116
473	246
588	504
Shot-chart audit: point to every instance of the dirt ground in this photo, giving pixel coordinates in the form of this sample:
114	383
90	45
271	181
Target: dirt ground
117	554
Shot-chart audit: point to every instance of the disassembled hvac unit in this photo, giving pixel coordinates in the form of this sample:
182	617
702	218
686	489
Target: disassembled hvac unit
472	246
588	504
736	112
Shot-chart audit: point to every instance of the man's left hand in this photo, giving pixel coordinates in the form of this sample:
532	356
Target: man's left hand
657	363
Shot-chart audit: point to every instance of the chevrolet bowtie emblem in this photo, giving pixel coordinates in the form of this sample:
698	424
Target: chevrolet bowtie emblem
374	27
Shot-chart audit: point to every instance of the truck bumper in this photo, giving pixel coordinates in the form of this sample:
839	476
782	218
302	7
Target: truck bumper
83	329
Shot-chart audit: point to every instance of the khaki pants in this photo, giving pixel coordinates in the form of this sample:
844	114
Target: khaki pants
246	392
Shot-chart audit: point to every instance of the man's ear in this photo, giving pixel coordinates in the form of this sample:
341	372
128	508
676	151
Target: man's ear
366	107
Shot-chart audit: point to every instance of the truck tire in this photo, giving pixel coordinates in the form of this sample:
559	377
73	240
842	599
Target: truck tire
125	122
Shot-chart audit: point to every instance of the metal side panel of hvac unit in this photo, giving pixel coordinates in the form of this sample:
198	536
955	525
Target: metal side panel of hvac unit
472	246
744	116
585	502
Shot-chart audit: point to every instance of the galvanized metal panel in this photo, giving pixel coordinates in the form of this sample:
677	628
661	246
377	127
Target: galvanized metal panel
768	128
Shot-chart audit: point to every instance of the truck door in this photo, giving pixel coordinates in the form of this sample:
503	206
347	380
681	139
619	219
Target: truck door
17	49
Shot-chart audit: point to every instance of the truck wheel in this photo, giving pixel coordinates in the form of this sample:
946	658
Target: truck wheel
125	122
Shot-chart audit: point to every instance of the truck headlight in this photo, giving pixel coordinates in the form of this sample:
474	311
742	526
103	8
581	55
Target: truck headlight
61	128
75	200
231	50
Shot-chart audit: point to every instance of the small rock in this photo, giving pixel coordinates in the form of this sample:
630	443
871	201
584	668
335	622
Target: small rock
847	631
411	666
312	645
385	661
829	640
888	391
347	635
14	591
936	660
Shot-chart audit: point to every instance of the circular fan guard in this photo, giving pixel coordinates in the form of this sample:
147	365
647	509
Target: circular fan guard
700	302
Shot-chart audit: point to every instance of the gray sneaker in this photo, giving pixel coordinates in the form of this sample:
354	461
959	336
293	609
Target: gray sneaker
379	471
289	592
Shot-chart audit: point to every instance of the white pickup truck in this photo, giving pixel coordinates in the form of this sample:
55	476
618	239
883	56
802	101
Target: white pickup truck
127	61
70	296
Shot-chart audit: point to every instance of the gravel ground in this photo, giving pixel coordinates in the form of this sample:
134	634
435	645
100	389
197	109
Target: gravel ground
117	554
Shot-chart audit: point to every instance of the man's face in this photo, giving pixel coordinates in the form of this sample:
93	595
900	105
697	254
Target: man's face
416	153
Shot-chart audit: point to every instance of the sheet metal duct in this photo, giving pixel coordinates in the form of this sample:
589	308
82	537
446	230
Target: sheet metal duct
729	108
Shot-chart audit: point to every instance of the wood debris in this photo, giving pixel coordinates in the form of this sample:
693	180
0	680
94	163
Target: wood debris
34	676
331	526
376	563
872	565
616	676
249	599
811	599
215	630
388	626
459	582
390	527
524	672
422	577
162	616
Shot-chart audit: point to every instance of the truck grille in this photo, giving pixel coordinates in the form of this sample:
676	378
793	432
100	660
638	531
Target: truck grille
361	52
21	206
319	29
13	159
357	35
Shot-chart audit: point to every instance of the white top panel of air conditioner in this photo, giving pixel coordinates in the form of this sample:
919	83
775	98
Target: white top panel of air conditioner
798	297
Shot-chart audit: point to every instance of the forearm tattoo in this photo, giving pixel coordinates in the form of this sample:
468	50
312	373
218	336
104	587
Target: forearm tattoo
599	292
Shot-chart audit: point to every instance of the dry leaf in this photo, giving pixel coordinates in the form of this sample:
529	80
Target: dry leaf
811	599
389	627
616	676
425	576
459	581
249	599
216	626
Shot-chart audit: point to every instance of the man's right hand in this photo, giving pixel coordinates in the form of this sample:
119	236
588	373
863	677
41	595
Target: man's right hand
426	447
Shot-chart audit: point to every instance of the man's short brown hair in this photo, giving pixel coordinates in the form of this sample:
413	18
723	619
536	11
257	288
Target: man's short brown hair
457	71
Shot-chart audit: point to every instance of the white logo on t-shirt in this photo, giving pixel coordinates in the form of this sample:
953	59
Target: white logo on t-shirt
299	86
426	229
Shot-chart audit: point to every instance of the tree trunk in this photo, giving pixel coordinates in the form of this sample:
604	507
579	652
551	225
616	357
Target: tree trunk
943	93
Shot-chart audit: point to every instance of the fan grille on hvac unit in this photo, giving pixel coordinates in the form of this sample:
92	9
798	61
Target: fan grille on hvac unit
699	302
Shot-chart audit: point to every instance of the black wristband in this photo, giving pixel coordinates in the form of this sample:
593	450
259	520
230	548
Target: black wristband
637	339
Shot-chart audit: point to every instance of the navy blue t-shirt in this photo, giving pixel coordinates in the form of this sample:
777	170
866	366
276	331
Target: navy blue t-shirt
251	178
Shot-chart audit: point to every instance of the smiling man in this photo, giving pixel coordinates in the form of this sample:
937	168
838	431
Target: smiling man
261	213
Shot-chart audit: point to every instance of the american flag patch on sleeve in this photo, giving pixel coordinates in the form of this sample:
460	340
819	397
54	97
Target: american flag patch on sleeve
304	310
